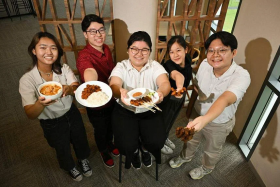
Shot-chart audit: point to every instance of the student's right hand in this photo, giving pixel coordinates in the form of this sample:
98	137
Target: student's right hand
45	102
124	96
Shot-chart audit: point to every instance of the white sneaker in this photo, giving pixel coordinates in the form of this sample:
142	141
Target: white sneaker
170	144
199	172
166	150
178	161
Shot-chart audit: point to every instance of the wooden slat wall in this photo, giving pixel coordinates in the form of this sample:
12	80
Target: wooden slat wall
67	36
192	12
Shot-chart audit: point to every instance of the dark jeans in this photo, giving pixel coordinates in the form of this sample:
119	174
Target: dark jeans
101	122
62	131
128	127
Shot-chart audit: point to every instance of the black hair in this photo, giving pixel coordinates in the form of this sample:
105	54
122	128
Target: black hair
140	36
56	66
91	18
227	39
177	39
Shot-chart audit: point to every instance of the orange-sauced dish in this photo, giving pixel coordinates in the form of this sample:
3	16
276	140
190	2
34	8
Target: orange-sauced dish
136	94
50	89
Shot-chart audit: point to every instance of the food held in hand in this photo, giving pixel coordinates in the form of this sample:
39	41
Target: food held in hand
97	98
141	101
185	134
50	89
179	93
136	94
89	89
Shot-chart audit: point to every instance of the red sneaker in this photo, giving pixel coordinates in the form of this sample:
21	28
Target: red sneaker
107	159
114	151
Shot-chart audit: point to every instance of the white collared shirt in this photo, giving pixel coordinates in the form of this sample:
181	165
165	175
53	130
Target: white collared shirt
132	78
235	79
28	88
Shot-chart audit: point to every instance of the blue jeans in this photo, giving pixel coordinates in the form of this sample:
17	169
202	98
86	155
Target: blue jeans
62	131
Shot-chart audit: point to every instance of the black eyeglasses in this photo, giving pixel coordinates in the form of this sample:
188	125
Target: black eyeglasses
94	32
135	50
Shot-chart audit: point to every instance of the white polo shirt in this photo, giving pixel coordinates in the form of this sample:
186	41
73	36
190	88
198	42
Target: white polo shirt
236	80
132	78
28	88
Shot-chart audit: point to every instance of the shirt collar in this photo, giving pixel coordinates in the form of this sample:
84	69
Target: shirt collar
147	65
38	79
229	72
94	51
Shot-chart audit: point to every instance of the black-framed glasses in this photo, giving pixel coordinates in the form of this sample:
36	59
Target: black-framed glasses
135	50
94	32
221	51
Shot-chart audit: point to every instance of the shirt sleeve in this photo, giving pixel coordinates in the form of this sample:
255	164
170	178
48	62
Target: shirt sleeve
158	70
201	68
27	92
169	66
83	63
69	74
118	71
240	83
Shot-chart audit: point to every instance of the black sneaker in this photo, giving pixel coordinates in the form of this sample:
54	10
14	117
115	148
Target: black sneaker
136	163
146	158
84	164
107	159
75	174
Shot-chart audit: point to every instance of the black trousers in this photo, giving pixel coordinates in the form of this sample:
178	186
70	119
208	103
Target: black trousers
128	127
102	124
171	110
62	131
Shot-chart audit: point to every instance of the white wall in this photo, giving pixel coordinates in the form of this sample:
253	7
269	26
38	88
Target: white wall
258	32
131	16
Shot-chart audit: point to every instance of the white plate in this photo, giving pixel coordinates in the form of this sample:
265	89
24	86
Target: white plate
155	97
104	88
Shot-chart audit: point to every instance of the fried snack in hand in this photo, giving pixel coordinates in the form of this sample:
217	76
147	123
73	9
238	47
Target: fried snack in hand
179	93
185	134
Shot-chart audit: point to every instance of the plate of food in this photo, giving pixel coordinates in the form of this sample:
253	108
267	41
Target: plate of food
93	94
142	98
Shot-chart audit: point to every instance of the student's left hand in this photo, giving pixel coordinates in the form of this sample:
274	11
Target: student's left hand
160	95
198	123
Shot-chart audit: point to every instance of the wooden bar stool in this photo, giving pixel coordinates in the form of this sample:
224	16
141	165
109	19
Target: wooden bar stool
120	169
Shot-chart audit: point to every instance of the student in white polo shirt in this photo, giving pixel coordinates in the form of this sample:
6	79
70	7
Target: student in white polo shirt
221	84
138	128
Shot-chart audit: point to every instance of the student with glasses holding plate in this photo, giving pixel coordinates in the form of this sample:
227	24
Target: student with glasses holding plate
95	63
221	84
138	128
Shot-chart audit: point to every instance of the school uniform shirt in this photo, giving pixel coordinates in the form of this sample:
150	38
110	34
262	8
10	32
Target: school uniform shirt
236	80
132	78
103	64
28	88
